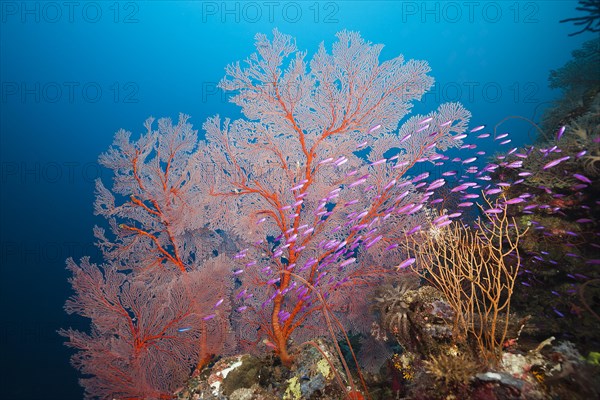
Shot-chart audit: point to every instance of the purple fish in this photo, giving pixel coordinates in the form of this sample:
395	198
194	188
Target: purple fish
400	164
420	177
413	230
406	263
516	200
373	129
405	138
278	253
368	188
372	242
348	262
415	209
401	196
272	281
340	161
436	184
440	219
405	208
443	223
555	162
529	150
477	128
558	313
380	161
560	133
493	191
391	246
349	203
357	182
299	186
459	188
390	184
582	178
422	128
515	164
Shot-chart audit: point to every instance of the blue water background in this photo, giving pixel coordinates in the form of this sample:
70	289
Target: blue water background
73	74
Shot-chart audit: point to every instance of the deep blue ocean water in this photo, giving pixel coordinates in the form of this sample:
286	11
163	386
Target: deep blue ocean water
73	73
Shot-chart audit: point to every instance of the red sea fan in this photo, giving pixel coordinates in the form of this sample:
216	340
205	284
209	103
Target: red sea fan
148	332
309	178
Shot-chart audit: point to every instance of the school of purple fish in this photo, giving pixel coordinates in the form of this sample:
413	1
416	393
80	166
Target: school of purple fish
470	184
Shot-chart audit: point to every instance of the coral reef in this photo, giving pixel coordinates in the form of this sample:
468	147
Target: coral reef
317	242
580	83
394	303
560	250
590	21
250	377
417	317
452	369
